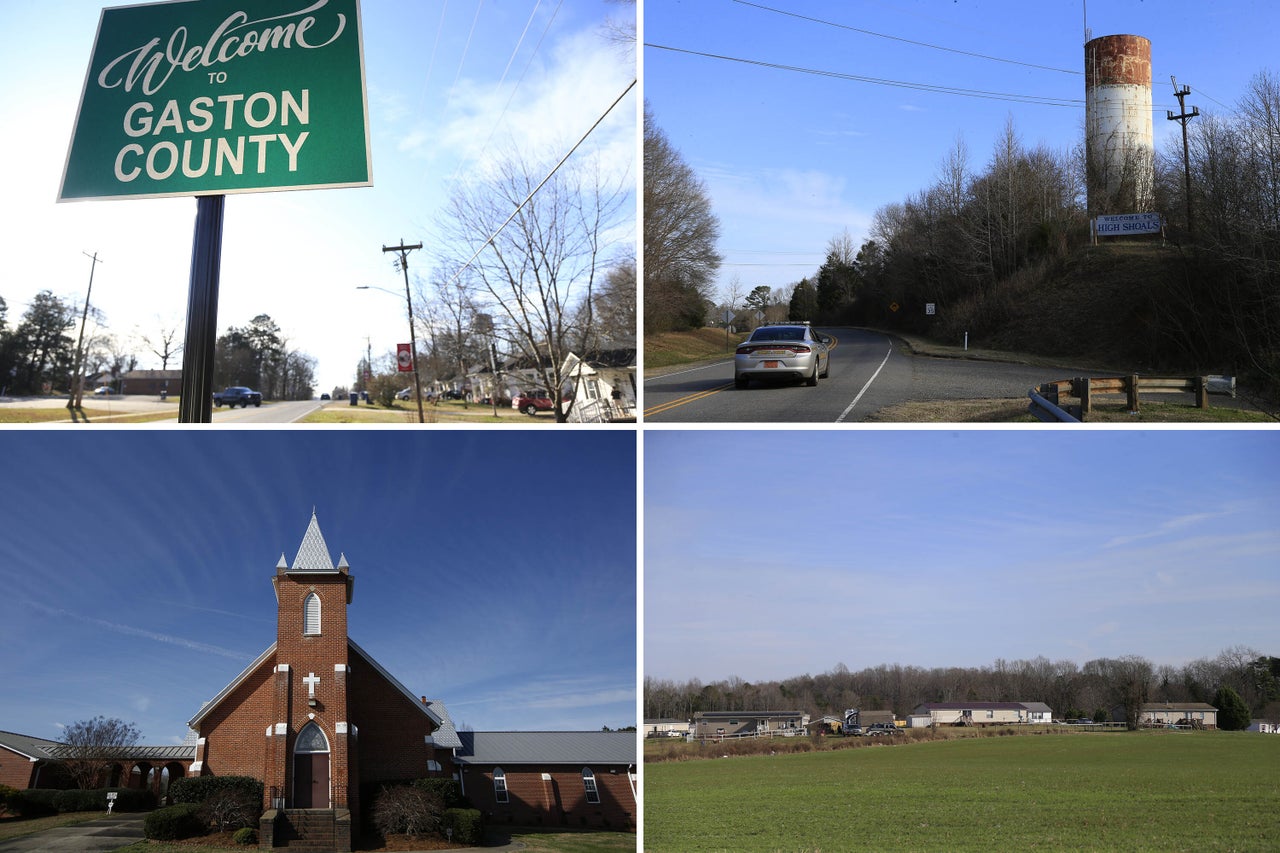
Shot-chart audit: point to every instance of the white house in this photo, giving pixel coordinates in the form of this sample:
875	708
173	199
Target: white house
604	385
983	713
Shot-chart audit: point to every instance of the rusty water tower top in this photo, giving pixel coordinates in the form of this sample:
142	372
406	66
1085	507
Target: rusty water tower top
1118	128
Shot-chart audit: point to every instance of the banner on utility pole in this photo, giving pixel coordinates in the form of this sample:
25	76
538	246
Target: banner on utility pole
200	97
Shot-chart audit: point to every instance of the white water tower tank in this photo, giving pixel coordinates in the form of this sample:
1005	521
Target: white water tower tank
1118	131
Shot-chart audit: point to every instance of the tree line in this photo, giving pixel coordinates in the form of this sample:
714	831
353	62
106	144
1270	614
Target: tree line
1071	690
38	351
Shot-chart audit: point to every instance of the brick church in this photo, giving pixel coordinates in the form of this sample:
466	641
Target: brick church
320	722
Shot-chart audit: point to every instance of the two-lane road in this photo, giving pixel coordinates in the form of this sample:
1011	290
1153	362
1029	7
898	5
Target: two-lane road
868	373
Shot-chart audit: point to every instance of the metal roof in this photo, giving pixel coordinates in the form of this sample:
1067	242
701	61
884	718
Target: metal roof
136	753
36	748
978	706
313	554
28	746
582	748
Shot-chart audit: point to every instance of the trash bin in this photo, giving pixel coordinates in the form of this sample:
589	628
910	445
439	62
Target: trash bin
355	398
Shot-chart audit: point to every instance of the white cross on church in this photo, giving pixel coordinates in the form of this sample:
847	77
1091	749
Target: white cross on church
311	681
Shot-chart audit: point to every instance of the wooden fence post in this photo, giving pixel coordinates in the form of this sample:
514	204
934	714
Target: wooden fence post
1202	392
1133	393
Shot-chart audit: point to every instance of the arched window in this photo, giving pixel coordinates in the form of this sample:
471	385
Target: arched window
499	785
589	785
433	765
311	614
311	739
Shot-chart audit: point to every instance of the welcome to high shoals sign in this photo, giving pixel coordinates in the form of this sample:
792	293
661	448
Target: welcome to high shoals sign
207	97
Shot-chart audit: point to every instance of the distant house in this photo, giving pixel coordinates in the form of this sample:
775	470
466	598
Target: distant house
1266	727
710	724
665	727
982	713
826	725
1158	714
152	382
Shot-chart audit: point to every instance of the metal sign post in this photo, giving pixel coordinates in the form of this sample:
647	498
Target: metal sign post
212	98
196	404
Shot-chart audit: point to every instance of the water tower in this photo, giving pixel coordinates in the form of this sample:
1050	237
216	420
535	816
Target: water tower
1118	133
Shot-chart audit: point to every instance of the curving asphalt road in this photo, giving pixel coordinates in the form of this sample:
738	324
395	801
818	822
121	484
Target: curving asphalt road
868	372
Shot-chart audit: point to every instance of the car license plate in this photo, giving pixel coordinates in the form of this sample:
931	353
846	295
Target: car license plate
771	364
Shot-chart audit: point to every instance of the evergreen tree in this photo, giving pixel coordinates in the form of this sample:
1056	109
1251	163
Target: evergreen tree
804	301
1233	713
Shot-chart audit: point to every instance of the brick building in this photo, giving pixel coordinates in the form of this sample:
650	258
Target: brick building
572	779
322	724
314	716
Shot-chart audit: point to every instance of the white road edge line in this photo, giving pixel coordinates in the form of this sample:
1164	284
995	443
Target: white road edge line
846	412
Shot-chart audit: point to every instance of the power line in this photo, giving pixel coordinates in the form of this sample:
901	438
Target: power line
906	40
1074	103
498	122
534	191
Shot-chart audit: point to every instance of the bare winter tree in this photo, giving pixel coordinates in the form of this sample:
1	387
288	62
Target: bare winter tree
165	343
680	234
536	267
90	747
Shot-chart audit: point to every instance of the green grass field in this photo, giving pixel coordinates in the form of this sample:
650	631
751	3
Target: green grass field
1109	791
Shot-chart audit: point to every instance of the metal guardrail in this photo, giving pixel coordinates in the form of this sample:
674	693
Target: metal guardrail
1045	398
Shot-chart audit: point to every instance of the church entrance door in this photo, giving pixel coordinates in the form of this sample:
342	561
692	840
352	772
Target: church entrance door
311	769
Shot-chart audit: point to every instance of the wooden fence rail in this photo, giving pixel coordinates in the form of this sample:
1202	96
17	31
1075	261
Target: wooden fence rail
1045	397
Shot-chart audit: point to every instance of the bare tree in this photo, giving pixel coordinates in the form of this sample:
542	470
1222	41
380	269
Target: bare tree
165	344
680	234
91	746
538	265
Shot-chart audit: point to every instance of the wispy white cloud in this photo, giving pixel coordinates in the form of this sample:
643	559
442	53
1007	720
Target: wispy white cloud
130	630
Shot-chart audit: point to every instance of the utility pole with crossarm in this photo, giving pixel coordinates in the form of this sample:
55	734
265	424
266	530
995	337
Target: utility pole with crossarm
1184	117
404	251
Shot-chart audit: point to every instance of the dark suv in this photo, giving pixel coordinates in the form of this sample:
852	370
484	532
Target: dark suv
237	394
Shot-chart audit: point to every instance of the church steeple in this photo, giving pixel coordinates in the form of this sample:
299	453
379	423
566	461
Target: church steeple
313	554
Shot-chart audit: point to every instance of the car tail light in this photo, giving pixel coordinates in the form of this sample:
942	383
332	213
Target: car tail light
747	349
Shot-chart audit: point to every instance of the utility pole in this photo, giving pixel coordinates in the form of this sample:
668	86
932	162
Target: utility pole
77	365
1184	117
368	362
404	251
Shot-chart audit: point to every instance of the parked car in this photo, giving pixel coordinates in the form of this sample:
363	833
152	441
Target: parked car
404	394
237	395
783	351
533	402
102	391
881	729
452	394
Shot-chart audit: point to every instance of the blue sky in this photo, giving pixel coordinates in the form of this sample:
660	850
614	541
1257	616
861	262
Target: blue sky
450	84
771	554
790	159
137	568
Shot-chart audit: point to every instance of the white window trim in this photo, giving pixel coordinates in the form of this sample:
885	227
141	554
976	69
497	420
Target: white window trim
500	786
589	786
306	620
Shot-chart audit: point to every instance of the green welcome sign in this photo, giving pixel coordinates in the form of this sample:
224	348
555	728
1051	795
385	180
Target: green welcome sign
206	97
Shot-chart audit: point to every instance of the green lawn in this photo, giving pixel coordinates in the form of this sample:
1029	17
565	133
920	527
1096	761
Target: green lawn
1142	791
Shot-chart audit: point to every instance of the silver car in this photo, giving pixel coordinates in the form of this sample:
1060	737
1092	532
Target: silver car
783	351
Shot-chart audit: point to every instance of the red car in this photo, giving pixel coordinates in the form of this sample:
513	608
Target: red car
532	403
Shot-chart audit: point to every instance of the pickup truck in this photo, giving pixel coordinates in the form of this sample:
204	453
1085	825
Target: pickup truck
237	394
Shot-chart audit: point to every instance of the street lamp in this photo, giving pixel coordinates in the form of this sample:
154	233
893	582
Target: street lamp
413	340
